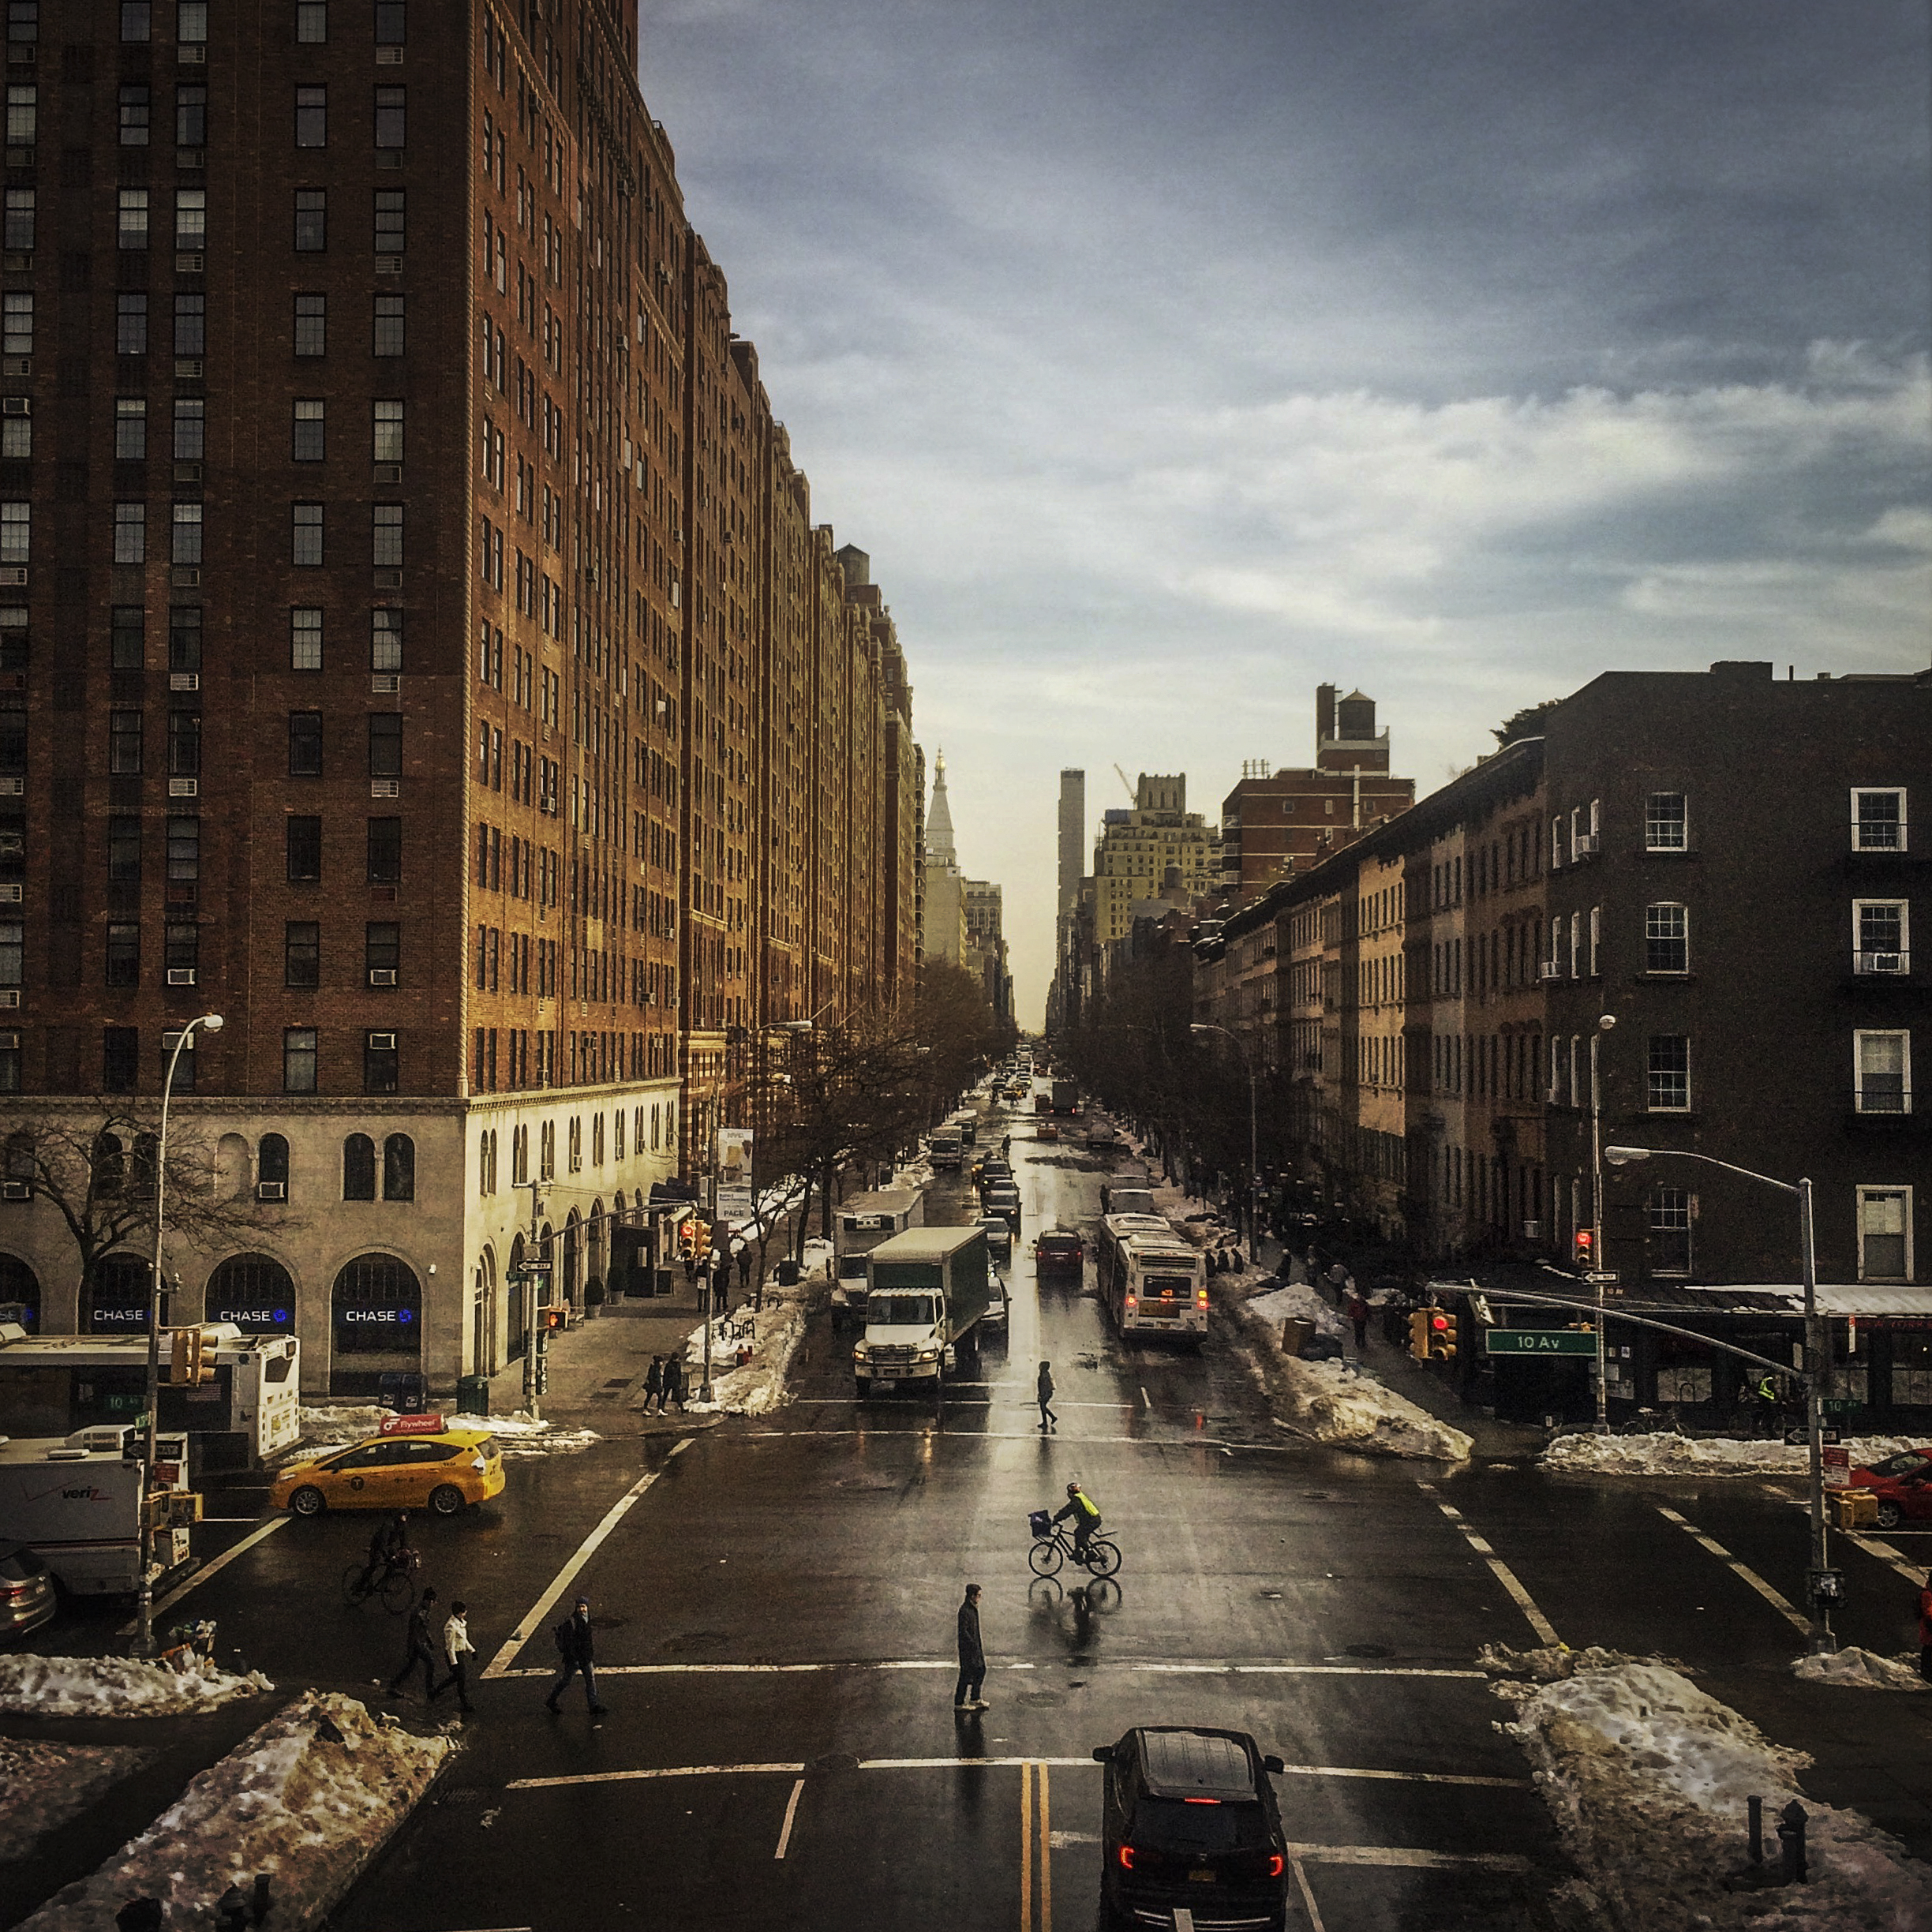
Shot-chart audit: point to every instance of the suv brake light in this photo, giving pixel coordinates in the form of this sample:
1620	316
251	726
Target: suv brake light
1126	1857
1213	1801
1276	1865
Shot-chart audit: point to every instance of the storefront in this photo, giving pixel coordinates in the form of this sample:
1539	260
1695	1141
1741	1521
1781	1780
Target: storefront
255	1292
376	1322
115	1299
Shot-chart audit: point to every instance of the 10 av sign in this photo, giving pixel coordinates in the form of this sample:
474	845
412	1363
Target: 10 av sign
1539	1342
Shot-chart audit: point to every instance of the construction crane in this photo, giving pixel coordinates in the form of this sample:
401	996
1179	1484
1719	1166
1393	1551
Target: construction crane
1133	797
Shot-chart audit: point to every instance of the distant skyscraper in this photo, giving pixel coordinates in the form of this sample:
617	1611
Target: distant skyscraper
1073	839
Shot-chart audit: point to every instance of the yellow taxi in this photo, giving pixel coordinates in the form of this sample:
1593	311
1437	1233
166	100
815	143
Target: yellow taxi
433	1468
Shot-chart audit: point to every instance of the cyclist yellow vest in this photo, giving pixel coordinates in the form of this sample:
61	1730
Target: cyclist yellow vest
1088	1504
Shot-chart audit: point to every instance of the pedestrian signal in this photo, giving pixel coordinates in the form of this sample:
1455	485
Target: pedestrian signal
549	1321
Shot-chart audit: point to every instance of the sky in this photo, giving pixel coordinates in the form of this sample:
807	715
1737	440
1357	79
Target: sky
1170	358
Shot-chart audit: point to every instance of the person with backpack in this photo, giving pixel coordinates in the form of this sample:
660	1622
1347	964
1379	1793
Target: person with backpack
576	1653
654	1385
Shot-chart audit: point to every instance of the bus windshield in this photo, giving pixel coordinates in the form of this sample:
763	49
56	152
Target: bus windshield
899	1311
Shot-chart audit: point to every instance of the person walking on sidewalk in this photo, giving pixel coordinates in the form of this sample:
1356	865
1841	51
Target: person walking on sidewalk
422	1647
1358	1316
1925	1629
1043	1393
458	1650
673	1382
972	1655
744	1267
653	1384
576	1652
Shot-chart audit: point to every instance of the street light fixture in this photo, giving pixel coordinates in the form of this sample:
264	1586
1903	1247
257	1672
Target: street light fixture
144	1638
1817	1363
1254	1162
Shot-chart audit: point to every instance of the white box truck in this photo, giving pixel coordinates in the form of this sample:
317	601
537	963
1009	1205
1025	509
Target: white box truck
946	1149
927	1291
77	1502
863	1222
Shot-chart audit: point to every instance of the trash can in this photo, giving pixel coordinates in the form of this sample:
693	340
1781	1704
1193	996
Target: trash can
1295	1331
405	1391
473	1394
788	1273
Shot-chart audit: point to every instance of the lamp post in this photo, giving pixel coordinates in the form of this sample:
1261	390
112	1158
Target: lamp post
1604	1023
1254	1160
1817	1361
143	1639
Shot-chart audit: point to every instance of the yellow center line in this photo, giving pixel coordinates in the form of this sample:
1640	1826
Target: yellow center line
1046	1858
1026	1847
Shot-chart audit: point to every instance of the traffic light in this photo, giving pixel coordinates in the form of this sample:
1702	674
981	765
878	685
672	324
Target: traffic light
188	1363
1585	1248
1445	1331
688	1235
1419	1334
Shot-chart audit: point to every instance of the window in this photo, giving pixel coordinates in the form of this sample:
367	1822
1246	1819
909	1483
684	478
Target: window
187	546
391	107
184	638
191	22
22	115
123	850
312	22
23	21
132	230
306	639
184	744
1665	827
184	851
12	955
385	744
380	1068
20	217
385	852
190	429
16	323
13	740
191	115
304	744
16	432
312	116
1877	820
124	743
120	1059
1671	1211
301	954
124	954
389	213
382	952
190	325
1881	1070
1670	1074
311	325
385	640
310	440
311	220
302	836
388	432
390	20
399	1159
389	333
1882	935
1667	939
134	117
308	536
1884	1233
136	19
386	544
13	638
298	1059
190	218
130	535
130	325
181	944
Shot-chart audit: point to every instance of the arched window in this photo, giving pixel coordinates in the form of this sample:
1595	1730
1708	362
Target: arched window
20	1288
20	1162
399	1168
231	1167
255	1292
117	1296
271	1168
110	1166
358	1168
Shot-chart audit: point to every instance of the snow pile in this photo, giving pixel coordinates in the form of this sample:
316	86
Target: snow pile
1673	1455
759	1387
1554	1662
308	1799
1861	1670
1296	1301
522	1435
56	1686
1648	1778
334	1427
518	1435
42	1785
1334	1403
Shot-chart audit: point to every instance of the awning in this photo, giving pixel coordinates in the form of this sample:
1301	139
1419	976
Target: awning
1776	1301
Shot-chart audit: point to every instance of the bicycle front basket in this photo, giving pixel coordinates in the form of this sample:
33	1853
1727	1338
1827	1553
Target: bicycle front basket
1042	1522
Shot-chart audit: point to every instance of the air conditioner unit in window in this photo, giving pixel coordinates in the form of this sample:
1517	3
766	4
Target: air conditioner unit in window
190	261
15	1190
185	680
1533	1230
14	575
13	787
389	56
271	1190
12	894
382	1043
181	976
385	787
381	977
1881	962
9	997
184	787
1583	845
385	684
16	406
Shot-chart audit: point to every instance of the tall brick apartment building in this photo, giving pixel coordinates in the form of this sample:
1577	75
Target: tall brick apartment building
415	647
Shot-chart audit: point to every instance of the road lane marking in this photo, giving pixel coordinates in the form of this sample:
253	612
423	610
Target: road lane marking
663	1771
1912	1573
784	1836
1083	1441
498	1665
1026	1845
1026	1765
1503	1574
1217	1667
1308	1897
1046	1853
1775	1598
212	1566
1146	1401
1414	1855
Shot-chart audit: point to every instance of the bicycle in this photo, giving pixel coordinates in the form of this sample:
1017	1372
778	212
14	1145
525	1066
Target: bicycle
1101	1558
394	1589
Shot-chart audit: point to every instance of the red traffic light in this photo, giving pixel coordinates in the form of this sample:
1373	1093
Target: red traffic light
1438	1323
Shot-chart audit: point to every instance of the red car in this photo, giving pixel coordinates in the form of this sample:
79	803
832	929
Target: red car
1057	1251
1903	1484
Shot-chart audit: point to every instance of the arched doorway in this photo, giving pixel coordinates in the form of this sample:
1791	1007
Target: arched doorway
255	1292
483	1315
117	1296
596	1265
515	1326
375	1323
570	1289
20	1294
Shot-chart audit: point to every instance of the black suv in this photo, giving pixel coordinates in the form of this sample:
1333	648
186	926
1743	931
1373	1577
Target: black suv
1189	1819
1057	1251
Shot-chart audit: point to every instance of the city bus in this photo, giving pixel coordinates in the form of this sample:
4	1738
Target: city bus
1151	1281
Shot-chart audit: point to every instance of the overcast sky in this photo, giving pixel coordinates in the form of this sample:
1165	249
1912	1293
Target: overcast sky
1173	357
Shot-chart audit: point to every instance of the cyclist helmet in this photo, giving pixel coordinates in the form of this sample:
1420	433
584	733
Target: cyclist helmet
1072	1488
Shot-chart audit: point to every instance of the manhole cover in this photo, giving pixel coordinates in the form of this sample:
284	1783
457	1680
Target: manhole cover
695	1640
1367	1650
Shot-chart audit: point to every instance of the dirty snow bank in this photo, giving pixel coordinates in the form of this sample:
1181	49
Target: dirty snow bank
1861	1670
518	1435
57	1686
1669	1453
759	1387
42	1785
1647	1778
308	1799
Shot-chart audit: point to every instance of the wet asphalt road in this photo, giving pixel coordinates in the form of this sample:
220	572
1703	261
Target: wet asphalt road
775	1617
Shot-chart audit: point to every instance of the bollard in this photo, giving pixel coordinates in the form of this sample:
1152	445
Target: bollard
1790	1832
231	1910
141	1915
261	1897
1754	1811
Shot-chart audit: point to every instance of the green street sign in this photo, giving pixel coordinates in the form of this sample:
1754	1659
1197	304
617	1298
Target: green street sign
1839	1404
1539	1342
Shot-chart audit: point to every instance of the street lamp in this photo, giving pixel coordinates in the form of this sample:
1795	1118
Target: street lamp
143	1639
1254	1160
1816	1360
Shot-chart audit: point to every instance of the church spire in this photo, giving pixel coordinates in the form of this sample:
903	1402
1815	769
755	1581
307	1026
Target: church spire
939	821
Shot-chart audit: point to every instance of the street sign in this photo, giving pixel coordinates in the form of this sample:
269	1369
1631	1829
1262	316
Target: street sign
1838	1405
531	1266
1539	1342
1837	1460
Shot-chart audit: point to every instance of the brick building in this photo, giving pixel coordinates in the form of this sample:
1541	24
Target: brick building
417	650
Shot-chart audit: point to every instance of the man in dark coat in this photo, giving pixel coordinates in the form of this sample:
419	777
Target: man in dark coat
1043	1395
972	1655
575	1653
421	1644
1925	1629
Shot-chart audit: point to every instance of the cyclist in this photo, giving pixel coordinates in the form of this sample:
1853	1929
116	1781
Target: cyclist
1086	1514
388	1549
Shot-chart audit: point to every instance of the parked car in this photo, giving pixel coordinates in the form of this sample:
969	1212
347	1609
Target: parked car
444	1471
1188	1822
27	1598
999	1236
1058	1251
1903	1484
1100	1135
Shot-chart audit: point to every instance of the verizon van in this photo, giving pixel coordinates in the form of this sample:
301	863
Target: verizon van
77	1501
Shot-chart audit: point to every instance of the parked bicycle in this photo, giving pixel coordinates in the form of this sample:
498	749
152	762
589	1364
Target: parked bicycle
394	1587
1054	1545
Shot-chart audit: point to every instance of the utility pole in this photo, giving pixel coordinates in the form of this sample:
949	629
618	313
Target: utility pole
1604	1023
526	1287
